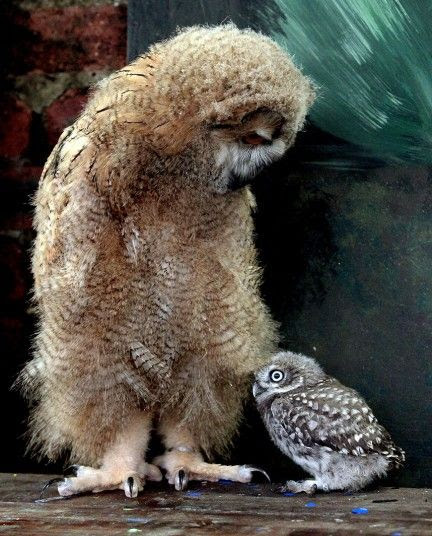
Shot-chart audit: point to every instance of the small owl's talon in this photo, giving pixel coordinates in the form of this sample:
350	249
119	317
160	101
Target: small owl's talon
181	480
48	484
305	486
312	490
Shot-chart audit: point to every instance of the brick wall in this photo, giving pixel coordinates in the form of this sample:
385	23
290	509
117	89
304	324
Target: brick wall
53	51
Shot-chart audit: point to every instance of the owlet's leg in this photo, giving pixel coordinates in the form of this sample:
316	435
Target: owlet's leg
123	465
183	461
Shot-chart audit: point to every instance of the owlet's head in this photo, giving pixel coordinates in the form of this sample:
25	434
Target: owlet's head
286	372
215	103
240	96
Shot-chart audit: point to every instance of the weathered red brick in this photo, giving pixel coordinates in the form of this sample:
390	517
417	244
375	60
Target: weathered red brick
63	112
15	121
12	335
21	172
78	37
12	268
18	182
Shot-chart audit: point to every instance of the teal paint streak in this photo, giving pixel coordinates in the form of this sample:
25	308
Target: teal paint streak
372	61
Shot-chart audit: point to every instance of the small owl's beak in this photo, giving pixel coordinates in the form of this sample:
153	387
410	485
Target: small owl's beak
256	389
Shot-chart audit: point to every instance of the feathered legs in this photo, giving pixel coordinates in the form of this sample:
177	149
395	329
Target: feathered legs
123	465
183	460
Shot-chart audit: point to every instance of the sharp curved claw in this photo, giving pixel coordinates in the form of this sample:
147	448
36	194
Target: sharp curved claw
181	480
48	484
130	483
312	490
260	471
72	470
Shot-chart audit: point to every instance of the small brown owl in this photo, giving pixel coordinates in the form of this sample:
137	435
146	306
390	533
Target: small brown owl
146	278
325	427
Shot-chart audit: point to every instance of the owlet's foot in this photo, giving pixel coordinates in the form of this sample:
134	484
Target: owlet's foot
182	465
82	479
122	466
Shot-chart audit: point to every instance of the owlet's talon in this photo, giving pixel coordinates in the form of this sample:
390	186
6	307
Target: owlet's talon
259	472
132	487
48	484
71	470
130	483
182	465
181	480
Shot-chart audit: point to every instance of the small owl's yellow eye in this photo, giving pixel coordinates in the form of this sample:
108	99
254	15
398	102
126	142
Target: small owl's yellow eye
254	139
276	375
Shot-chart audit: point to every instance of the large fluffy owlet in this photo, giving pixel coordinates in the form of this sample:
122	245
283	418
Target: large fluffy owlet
325	427
146	278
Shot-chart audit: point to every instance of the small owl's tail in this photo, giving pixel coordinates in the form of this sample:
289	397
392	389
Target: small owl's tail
396	457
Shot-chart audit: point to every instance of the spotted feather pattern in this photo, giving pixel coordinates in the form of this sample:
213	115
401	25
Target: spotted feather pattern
331	415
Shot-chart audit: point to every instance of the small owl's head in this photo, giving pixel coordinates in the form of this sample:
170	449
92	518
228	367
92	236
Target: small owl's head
286	372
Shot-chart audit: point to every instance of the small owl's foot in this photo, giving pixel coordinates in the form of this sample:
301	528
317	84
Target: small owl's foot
86	479
182	466
305	486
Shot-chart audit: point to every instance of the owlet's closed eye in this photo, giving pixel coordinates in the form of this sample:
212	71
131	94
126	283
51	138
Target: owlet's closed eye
244	148
253	138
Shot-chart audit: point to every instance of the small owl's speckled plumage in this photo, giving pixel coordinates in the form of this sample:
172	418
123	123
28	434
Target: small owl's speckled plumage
325	427
146	279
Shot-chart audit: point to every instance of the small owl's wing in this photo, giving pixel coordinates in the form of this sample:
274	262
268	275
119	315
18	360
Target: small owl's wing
335	417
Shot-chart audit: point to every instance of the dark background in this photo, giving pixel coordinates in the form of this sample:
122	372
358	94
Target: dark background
345	239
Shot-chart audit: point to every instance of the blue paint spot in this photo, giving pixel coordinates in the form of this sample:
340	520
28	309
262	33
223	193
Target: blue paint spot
225	482
396	534
289	494
310	504
138	520
360	511
191	493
